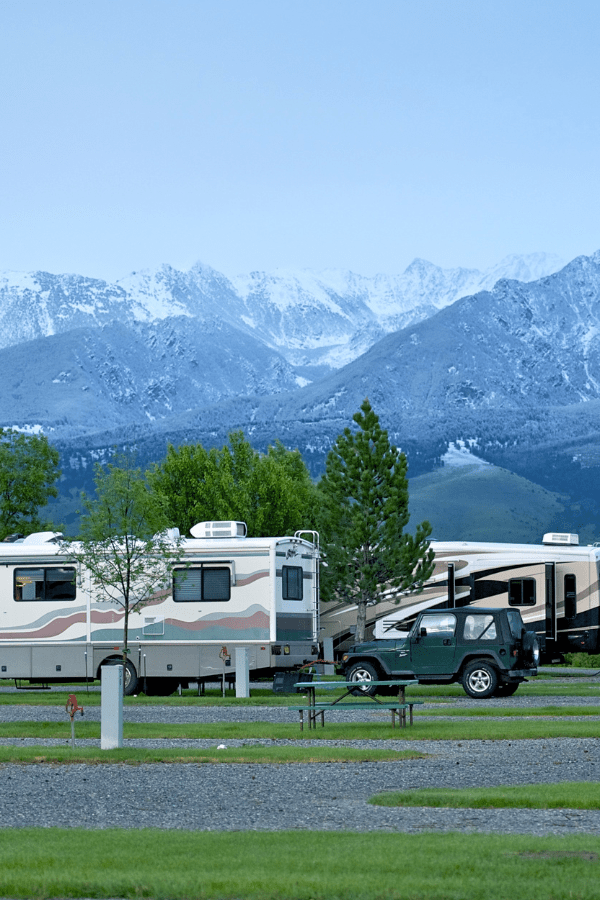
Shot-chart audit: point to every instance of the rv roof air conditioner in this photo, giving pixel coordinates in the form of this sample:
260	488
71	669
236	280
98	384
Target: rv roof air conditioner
43	537
560	538
219	530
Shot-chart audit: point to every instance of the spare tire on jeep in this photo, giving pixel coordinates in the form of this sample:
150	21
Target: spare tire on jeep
531	649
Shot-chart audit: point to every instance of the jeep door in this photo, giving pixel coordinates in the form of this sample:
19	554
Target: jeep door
433	644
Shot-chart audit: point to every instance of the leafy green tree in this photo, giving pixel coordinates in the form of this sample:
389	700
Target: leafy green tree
273	492
124	542
365	490
28	472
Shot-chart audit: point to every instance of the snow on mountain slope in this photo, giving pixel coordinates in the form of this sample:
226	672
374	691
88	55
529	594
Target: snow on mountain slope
118	375
317	320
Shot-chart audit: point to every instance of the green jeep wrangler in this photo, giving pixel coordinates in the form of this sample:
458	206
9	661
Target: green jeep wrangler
488	651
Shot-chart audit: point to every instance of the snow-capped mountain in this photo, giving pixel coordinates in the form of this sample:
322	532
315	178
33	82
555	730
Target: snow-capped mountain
171	350
117	375
333	316
317	321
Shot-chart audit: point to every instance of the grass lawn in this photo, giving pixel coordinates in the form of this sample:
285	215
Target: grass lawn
507	711
295	865
258	755
566	795
377	728
262	696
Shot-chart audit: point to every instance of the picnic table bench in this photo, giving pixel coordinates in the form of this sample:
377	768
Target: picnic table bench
397	707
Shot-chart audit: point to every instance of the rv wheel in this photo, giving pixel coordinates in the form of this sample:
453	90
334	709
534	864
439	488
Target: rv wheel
362	673
159	687
131	683
480	680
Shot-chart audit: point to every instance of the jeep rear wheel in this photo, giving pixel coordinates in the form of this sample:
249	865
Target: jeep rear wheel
480	680
362	672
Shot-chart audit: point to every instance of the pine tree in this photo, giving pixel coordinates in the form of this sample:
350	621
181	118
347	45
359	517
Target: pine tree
365	489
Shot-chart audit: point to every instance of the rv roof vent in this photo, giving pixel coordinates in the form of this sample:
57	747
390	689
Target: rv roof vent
560	538
219	530
43	537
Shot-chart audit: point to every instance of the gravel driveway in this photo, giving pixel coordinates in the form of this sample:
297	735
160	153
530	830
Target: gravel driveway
300	796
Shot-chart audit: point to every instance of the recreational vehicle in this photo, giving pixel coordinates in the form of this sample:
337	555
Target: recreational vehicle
555	585
228	592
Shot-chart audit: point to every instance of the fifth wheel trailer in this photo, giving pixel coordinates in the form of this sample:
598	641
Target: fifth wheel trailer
555	585
229	591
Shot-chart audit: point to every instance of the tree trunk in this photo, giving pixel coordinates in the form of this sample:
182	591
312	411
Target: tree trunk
361	621
125	638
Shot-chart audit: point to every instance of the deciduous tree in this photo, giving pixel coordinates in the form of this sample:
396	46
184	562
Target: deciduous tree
273	492
365	489
124	541
28	472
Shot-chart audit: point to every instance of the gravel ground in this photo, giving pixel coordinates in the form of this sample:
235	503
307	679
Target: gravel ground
300	796
314	796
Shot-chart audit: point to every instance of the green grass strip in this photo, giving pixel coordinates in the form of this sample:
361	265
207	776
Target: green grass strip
566	795
377	728
257	755
508	712
265	696
300	865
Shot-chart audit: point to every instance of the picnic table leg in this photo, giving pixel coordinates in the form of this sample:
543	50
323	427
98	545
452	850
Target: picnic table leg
410	706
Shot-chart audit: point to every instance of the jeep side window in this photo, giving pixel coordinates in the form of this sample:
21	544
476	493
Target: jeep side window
439	623
515	622
480	628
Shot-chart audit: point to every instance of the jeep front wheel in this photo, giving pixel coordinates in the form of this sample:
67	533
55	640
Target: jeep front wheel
480	680
363	673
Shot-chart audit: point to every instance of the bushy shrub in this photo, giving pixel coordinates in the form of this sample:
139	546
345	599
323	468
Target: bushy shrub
583	660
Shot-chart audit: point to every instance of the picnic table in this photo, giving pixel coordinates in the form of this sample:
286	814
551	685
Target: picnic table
397	707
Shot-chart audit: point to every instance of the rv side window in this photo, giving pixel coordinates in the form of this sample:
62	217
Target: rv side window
521	592
216	584
570	597
44	584
292	582
201	584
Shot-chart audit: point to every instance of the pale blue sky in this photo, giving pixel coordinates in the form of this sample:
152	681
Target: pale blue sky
254	134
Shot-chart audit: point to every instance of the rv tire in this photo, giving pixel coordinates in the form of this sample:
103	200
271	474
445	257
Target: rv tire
131	682
159	687
480	679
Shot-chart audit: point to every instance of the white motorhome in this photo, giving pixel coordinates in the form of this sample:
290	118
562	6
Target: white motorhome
261	594
555	585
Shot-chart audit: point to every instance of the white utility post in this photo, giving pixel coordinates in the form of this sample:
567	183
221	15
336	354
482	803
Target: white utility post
242	673
111	708
328	654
